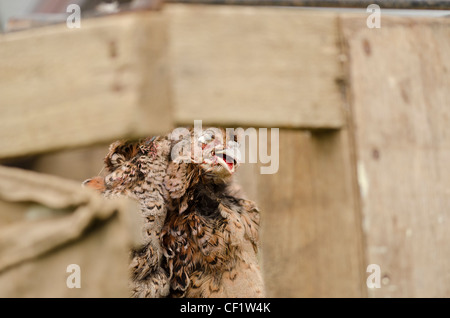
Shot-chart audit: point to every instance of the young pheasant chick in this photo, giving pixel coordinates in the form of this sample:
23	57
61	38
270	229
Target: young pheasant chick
210	238
200	229
137	170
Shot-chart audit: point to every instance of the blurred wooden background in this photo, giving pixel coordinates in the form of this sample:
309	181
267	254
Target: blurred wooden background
363	113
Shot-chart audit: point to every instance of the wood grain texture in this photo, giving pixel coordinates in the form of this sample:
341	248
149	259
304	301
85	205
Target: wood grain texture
311	238
250	66
63	87
399	82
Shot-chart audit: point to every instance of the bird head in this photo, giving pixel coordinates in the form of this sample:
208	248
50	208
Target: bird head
220	155
120	152
125	165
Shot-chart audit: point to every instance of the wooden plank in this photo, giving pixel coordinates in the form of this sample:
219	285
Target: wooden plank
63	87
251	66
399	82
84	162
311	235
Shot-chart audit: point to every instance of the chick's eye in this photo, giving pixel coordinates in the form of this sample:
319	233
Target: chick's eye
117	159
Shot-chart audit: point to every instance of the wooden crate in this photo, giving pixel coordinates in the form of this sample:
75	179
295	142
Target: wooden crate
362	116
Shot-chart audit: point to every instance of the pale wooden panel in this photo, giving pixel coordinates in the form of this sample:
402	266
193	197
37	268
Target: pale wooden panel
400	79
311	236
268	67
84	162
63	87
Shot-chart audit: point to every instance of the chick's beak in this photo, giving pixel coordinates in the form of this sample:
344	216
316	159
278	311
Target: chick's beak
228	158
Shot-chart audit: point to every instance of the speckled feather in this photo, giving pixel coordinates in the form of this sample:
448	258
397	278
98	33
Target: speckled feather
137	170
201	234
